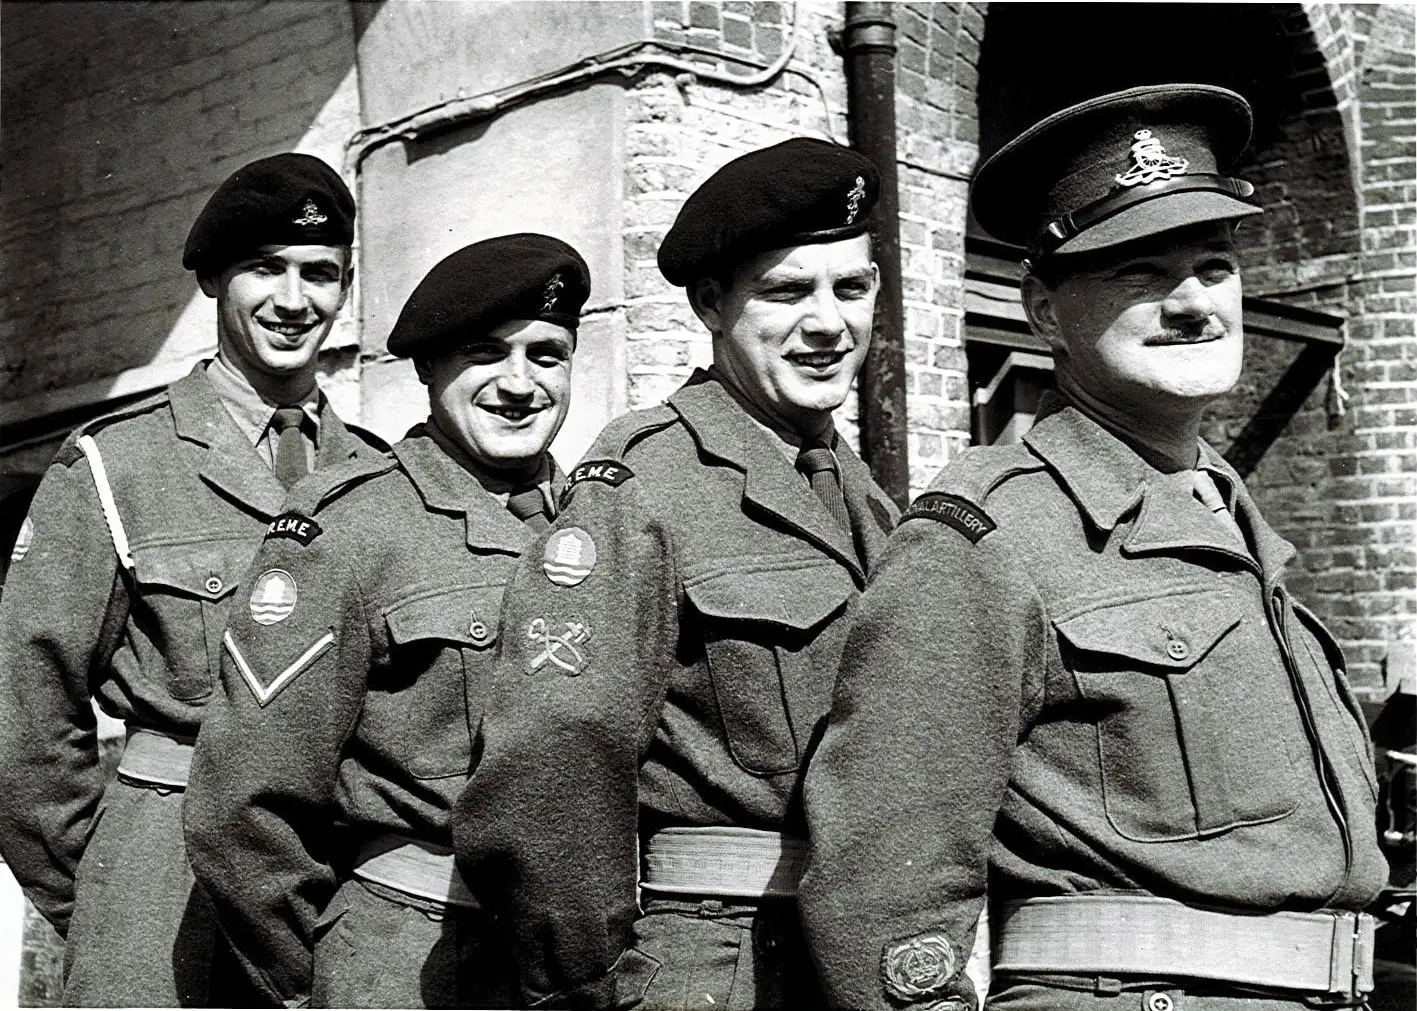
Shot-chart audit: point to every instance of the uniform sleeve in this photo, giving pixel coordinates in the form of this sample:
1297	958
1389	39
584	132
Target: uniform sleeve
63	606
260	804
944	657
547	828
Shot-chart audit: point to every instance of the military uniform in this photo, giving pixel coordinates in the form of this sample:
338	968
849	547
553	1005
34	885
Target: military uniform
353	677
351	698
666	656
142	528
1077	686
1126	697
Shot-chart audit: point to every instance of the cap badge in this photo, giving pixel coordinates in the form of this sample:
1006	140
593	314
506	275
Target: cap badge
918	966
1150	162
310	214
854	198
552	292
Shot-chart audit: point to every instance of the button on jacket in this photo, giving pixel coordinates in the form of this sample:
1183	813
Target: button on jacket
350	694
707	623
1085	684
193	499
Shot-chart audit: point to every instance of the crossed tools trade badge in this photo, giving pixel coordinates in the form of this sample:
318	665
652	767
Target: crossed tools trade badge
560	650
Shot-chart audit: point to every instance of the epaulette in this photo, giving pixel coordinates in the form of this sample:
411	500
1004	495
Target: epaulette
605	460
69	451
959	492
321	487
317	490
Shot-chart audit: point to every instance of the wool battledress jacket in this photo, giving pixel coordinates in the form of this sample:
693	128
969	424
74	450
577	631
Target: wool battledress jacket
669	669
1068	677
141	633
351	693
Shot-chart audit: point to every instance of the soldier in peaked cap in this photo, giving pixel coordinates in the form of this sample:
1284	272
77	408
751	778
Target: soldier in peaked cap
668	649
317	818
136	543
1128	736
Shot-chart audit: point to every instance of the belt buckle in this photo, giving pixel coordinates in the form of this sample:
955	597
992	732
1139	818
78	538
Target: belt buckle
1351	963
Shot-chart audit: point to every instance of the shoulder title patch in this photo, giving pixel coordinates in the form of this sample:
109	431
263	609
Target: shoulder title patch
295	526
611	472
951	510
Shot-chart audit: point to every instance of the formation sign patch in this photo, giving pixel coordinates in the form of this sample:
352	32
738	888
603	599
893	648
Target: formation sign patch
951	510
611	472
569	557
296	527
23	541
273	597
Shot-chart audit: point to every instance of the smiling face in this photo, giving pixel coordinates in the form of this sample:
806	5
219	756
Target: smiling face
791	327
503	396
275	307
1150	328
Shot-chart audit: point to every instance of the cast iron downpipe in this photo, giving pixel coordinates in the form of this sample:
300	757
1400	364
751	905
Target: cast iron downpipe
868	46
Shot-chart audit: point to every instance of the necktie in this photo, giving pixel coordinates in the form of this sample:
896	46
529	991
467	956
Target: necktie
817	462
529	505
1211	498
290	462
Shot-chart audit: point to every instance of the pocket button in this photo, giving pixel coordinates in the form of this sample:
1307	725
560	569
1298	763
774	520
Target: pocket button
214	584
1160	1001
1176	650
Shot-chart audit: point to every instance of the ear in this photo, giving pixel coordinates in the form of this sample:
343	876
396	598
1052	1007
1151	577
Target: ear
208	285
1040	306
706	299
346	284
424	369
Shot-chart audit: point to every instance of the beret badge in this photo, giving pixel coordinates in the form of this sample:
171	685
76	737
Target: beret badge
1150	162
918	967
552	292
854	198
310	214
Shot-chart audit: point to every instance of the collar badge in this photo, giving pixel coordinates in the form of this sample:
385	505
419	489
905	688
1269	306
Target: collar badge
854	198
1150	162
310	214
552	292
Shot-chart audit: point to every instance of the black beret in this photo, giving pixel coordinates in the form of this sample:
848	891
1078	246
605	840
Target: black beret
791	194
523	276
284	200
1119	167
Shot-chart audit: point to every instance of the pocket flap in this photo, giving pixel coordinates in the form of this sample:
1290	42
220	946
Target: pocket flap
1171	632
798	593
466	615
208	570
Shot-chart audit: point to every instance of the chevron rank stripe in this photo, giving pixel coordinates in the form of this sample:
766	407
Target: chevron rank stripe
264	693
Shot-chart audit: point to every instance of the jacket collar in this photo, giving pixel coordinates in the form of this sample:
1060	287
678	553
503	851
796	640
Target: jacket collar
723	430
231	463
1109	480
447	486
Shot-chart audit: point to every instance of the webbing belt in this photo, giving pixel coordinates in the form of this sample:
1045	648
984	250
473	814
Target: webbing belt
415	868
150	756
1139	935
742	863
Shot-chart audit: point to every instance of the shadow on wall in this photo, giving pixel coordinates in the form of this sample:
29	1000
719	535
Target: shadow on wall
119	121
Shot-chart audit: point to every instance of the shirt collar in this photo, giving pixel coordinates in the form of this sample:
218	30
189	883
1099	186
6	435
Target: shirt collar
252	412
789	442
496	483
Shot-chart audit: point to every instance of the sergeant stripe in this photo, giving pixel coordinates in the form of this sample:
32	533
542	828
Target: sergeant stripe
262	692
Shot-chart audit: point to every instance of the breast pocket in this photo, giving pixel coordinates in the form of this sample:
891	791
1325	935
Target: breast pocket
438	642
760	620
1177	690
186	593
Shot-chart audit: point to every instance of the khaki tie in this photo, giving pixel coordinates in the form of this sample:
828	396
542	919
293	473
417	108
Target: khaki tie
290	461
1211	498
529	505
819	464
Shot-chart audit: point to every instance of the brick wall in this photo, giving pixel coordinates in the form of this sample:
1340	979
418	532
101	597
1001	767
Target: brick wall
937	122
